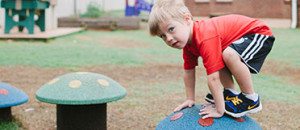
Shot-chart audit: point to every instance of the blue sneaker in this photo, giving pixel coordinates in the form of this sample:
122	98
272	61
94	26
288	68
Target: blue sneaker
228	95
241	105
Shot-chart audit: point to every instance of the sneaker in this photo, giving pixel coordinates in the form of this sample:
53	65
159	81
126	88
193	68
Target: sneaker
228	95
241	105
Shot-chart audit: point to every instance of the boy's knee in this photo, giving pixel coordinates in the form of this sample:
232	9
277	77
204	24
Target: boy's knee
229	54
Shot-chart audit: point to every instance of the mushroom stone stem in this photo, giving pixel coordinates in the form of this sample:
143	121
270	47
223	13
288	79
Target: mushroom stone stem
5	114
76	117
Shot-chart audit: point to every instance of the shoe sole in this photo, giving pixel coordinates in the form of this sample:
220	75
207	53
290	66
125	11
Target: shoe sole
237	115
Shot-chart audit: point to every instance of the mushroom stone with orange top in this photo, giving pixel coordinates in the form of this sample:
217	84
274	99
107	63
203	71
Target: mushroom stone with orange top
81	99
189	119
9	97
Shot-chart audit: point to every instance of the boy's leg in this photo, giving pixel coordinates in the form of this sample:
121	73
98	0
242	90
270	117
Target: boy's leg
239	70
226	78
247	101
227	82
243	57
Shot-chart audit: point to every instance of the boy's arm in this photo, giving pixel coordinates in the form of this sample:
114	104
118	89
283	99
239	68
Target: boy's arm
189	82
215	86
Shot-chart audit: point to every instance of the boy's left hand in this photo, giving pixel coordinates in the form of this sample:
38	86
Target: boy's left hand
210	111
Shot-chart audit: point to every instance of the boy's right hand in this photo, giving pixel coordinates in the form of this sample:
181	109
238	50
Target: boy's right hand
187	103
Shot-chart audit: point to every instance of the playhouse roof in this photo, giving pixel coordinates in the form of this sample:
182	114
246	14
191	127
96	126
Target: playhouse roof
81	88
11	96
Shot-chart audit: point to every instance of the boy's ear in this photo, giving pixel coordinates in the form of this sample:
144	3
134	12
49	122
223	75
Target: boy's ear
187	17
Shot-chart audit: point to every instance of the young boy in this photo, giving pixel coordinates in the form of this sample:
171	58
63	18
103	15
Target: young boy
231	45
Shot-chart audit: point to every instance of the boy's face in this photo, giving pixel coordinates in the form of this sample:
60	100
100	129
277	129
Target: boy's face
176	34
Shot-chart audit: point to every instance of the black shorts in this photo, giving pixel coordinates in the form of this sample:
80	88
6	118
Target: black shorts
253	49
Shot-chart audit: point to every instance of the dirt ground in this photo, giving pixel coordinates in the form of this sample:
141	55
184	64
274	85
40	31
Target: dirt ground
36	115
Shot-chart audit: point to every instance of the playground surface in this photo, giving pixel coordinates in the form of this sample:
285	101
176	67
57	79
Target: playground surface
139	110
149	70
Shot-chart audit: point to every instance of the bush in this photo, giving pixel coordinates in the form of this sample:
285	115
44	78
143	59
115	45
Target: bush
93	11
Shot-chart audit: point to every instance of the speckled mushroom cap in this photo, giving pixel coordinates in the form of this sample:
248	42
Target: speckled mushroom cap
189	118
81	88
11	96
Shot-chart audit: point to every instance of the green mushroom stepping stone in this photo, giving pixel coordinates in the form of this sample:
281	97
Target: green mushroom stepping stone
81	99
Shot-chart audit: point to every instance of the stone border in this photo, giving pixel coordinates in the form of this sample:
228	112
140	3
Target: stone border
125	23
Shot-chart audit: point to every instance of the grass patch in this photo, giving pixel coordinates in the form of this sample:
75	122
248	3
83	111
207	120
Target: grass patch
8	126
273	88
64	55
87	48
286	46
90	48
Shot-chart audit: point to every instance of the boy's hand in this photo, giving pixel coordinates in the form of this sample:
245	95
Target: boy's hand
210	111
187	103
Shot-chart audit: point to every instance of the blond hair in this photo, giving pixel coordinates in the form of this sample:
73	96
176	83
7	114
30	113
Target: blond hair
164	10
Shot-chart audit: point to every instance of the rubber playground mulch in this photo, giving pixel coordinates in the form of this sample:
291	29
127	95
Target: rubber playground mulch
141	114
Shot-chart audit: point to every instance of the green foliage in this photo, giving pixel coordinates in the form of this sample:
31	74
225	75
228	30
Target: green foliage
8	126
93	11
114	13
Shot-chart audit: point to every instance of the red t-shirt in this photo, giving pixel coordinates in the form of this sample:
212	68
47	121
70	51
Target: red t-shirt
212	36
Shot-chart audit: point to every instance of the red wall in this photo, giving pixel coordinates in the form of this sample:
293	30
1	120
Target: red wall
252	8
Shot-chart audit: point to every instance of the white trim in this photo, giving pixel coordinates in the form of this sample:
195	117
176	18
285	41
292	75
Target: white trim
202	1
225	1
294	14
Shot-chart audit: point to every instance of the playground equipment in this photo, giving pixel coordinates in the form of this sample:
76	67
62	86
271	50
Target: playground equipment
10	96
189	119
22	13
81	99
134	7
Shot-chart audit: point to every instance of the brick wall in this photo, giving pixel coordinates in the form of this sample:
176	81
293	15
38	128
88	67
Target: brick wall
252	8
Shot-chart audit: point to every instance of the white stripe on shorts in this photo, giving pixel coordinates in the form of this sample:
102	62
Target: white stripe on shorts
250	51
258	43
260	46
254	48
250	45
